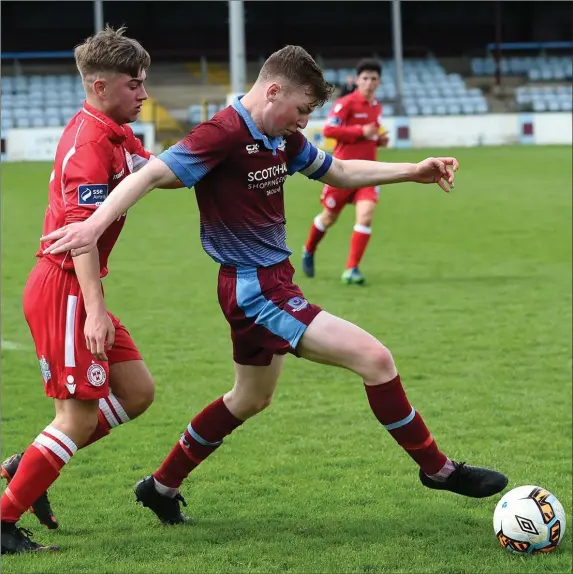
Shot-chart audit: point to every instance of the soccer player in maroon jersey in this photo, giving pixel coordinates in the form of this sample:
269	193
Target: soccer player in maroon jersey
238	162
89	363
354	122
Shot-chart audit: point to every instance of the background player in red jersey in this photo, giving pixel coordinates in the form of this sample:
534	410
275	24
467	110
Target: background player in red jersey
238	162
89	363
354	122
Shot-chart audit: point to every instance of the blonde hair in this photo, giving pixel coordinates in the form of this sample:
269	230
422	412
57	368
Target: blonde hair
111	51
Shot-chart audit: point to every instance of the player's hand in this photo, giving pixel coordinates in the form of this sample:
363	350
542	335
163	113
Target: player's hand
369	131
99	331
383	140
75	237
440	170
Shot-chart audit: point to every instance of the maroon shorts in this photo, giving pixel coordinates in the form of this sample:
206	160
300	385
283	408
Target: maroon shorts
267	312
55	312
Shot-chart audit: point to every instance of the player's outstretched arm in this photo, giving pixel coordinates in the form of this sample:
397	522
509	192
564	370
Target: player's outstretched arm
82	237
355	173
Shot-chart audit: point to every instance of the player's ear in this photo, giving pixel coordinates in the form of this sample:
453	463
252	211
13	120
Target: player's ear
273	91
99	87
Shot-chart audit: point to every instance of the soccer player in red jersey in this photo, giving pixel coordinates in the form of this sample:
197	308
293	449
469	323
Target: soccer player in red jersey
354	122
238	162
89	363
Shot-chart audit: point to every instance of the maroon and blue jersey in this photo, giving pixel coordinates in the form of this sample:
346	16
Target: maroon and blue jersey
239	174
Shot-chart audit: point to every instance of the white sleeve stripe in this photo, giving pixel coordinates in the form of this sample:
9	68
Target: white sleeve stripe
316	164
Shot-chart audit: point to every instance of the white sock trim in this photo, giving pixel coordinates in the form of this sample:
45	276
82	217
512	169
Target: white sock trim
118	408
107	413
318	223
62	438
363	229
165	490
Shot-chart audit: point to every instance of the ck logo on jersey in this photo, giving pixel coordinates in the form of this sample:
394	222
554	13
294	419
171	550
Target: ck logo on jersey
252	148
93	194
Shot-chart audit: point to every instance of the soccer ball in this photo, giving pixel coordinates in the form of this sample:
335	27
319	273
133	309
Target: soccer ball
529	519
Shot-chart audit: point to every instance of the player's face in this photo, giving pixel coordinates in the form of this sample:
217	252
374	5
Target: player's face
367	82
125	96
287	111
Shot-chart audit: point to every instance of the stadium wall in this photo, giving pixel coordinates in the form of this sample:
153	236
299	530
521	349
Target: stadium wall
39	144
467	131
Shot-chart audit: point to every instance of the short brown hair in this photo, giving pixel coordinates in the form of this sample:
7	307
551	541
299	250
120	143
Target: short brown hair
296	65
111	51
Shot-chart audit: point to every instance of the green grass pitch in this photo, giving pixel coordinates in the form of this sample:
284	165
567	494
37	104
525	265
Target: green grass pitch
471	292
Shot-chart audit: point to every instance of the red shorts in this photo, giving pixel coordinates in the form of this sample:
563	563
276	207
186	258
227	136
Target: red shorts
334	198
267	312
54	310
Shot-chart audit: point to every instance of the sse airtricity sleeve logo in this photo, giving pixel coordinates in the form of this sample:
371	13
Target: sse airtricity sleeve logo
92	194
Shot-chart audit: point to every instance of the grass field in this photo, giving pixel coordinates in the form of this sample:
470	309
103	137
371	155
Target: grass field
471	292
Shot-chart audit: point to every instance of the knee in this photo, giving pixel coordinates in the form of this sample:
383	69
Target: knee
243	406
328	218
142	400
364	220
78	428
379	366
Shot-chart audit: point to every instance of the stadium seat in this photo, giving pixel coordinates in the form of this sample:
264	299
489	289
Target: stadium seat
7	122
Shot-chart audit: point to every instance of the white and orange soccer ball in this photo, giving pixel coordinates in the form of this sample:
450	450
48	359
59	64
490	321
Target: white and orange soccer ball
529	519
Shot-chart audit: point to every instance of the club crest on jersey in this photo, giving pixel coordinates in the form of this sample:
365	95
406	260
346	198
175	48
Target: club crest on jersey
334	121
297	304
45	369
282	144
96	375
92	194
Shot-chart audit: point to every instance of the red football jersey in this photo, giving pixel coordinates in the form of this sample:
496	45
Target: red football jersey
93	155
344	124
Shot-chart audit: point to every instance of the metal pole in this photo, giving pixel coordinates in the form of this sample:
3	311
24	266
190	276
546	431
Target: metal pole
237	52
498	37
398	57
98	15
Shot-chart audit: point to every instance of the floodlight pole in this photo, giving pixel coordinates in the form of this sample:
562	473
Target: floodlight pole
398	53
98	16
237	50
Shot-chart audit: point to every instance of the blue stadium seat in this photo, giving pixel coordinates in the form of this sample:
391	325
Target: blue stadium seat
331	76
195	114
7	122
411	110
454	109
